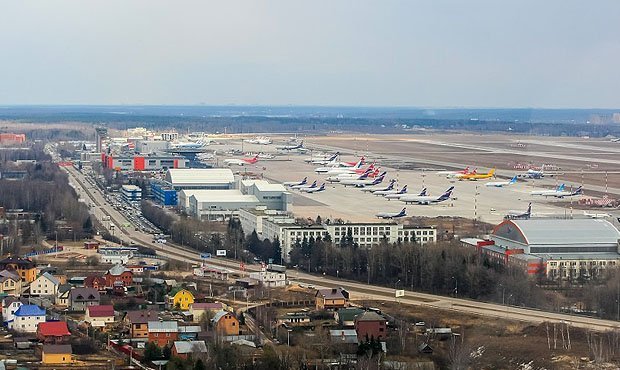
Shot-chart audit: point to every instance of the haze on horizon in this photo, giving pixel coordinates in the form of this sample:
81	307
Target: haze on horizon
480	53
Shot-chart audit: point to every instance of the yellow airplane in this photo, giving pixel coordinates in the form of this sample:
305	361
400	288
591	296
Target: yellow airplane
476	176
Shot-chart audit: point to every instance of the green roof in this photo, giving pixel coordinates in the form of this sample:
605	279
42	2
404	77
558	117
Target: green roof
348	314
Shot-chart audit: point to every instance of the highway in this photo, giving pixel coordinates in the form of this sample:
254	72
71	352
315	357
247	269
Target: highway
357	290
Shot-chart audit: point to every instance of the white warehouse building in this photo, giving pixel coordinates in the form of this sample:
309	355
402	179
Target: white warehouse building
200	178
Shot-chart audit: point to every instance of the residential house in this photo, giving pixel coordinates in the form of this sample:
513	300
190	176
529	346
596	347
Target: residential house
331	299
99	315
45	285
343	336
163	333
138	323
62	296
226	323
80	298
120	274
185	349
370	325
27	318
9	306
52	354
23	267
95	282
10	283
53	332
199	310
346	316
181	299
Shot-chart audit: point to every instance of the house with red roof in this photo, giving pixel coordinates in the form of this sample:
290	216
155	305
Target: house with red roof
53	332
118	274
99	315
95	282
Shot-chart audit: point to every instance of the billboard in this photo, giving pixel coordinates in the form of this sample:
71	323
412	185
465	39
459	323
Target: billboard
400	293
220	253
205	256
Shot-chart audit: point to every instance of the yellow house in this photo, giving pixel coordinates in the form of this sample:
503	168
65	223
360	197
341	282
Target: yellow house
56	354
183	299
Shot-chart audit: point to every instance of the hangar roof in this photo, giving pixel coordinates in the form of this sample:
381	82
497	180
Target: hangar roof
208	196
559	231
197	176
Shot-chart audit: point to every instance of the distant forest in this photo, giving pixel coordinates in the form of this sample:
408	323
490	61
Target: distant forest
307	123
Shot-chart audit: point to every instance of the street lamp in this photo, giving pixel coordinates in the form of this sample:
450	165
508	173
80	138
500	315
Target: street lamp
288	337
456	287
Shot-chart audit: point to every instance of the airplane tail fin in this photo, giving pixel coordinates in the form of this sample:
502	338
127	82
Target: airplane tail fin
560	187
513	180
491	172
313	184
304	181
403	190
403	212
578	191
423	193
322	187
447	194
529	209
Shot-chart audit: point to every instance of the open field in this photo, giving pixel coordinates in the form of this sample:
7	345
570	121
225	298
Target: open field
577	158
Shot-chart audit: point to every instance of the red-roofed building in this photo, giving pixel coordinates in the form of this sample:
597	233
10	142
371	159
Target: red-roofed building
95	282
118	273
53	332
99	315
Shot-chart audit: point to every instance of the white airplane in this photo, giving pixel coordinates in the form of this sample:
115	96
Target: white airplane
501	184
299	187
386	188
314	189
533	174
336	168
241	162
427	199
360	183
353	176
188	145
384	193
451	173
391	215
596	215
325	160
520	215
291	147
402	192
260	140
559	188
295	183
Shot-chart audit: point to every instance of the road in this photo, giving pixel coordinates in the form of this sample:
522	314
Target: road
357	290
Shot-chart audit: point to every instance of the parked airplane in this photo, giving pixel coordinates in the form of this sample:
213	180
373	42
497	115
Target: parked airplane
261	140
295	183
402	192
533	174
564	193
520	215
313	190
391	215
384	193
353	164
299	187
188	145
335	168
596	215
501	184
291	147
349	171
324	160
449	173
242	161
476	176
548	192
353	176
360	183
385	188
426	200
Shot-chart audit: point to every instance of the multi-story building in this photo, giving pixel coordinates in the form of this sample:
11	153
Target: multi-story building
271	196
131	193
154	162
164	193
27	318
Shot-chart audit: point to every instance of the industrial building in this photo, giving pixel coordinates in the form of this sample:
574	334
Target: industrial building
164	193
130	162
559	248
272	196
215	204
209	178
131	193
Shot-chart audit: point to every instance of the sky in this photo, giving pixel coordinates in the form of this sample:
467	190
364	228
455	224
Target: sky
435	53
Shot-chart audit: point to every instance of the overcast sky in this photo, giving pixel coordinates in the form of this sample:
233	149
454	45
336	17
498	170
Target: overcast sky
525	53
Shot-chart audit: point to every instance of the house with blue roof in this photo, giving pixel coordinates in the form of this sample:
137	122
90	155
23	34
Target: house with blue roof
27	318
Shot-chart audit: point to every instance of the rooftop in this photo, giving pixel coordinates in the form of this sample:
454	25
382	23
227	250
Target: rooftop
262	185
231	195
100	310
53	328
559	231
57	349
190	347
163	327
30	310
369	316
194	176
142	316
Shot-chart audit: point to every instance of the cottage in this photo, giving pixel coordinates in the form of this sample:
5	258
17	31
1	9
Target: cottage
226	323
331	299
53	332
95	282
118	273
9	306
163	333
44	285
23	267
10	283
370	325
80	298
200	310
138	323
185	350
181	299
99	315
27	318
52	354
62	296
343	336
